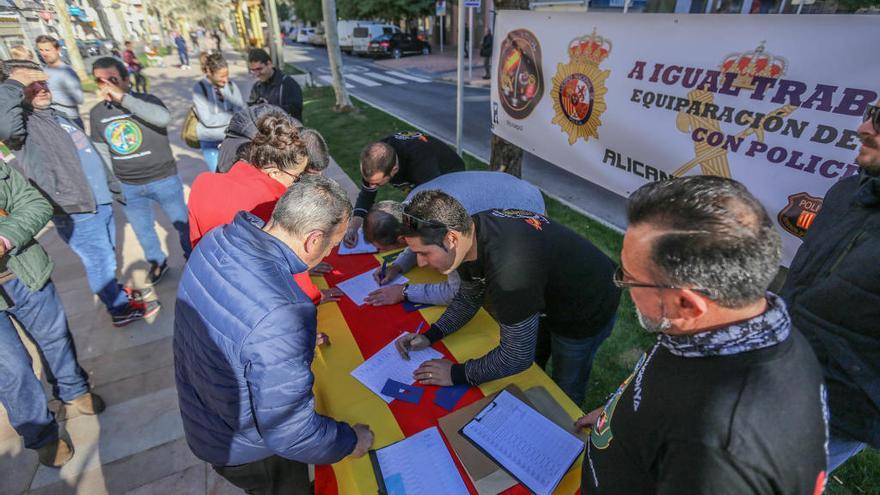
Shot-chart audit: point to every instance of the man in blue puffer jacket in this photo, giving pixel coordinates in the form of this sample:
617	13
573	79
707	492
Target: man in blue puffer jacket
244	340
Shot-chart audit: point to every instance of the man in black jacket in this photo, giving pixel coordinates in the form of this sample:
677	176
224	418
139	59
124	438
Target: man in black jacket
273	86
61	161
730	398
833	293
405	160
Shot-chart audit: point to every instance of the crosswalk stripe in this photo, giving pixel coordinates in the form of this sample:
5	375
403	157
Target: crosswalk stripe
381	77
407	76
329	81
362	80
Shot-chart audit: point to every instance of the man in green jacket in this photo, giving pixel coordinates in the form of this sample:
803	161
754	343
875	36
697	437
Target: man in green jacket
27	293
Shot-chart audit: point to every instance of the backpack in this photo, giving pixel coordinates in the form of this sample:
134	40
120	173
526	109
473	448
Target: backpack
188	131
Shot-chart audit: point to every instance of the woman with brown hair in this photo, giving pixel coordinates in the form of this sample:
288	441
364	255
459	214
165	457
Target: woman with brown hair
276	159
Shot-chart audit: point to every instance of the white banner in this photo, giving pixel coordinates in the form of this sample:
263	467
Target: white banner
772	101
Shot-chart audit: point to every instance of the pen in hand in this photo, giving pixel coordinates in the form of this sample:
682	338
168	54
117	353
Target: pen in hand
382	272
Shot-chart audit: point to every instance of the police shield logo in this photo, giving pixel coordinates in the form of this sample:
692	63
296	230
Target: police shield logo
799	214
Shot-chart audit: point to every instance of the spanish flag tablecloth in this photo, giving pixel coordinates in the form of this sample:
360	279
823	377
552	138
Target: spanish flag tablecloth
356	333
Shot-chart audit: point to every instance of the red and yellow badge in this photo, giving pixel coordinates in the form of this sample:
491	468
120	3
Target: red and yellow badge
579	88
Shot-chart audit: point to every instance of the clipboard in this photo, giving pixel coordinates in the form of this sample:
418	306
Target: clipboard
488	409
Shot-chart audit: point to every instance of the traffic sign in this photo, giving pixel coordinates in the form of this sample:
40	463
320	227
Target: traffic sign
472	3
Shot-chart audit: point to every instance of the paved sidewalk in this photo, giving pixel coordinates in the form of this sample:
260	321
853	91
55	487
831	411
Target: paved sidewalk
137	445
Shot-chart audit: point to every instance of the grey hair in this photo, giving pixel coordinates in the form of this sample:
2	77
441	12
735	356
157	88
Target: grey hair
383	223
715	235
312	203
316	148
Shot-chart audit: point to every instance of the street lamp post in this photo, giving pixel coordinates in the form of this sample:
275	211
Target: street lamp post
459	95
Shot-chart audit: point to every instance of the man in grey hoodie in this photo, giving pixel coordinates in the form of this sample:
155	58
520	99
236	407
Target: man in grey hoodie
64	84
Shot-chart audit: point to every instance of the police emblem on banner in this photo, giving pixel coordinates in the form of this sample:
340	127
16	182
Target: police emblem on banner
799	214
520	77
579	88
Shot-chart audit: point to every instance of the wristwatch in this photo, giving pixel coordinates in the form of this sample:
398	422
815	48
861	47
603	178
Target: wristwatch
405	294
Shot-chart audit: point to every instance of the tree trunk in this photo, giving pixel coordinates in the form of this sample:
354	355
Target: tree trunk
505	156
67	34
343	102
275	46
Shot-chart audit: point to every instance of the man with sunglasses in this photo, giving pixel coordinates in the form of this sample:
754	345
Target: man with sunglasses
58	157
133	128
548	288
833	294
405	160
382	228
730	398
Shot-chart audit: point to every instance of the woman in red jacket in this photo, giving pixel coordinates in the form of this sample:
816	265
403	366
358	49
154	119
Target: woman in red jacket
276	159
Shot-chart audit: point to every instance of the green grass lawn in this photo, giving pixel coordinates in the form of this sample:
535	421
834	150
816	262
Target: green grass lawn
347	133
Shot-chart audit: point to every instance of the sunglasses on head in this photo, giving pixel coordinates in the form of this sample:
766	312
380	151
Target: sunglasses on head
873	114
416	224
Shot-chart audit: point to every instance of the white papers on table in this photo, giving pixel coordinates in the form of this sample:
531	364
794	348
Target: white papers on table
533	449
361	247
419	465
387	363
359	287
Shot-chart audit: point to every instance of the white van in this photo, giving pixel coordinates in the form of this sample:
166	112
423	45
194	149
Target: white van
345	30
363	35
304	33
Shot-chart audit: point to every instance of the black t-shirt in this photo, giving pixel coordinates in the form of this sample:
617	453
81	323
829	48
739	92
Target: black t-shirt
531	265
747	423
140	152
420	159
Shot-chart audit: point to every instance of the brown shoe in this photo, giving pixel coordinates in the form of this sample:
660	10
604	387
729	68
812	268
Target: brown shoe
87	403
55	454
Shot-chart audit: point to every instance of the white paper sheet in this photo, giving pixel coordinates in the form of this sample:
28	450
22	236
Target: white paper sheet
387	363
359	287
420	465
532	448
361	247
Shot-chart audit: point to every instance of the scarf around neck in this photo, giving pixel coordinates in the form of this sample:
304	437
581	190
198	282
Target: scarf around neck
765	330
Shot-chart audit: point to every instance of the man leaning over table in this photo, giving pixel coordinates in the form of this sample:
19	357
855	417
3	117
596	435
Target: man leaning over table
244	341
382	228
549	289
730	399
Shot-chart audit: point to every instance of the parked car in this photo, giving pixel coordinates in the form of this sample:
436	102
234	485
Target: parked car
362	36
345	29
398	44
302	35
318	38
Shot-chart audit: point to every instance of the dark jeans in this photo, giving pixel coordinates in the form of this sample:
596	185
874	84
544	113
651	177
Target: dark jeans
42	317
184	56
572	358
92	236
487	64
269	476
168	193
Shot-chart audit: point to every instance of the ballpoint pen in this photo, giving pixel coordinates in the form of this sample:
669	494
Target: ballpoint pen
382	272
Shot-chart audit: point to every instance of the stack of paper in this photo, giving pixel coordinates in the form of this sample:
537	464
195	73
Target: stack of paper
361	247
529	446
387	364
418	465
359	287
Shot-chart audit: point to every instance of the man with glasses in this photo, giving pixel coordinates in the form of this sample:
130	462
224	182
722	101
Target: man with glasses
833	293
273	86
405	159
61	161
730	398
548	288
133	127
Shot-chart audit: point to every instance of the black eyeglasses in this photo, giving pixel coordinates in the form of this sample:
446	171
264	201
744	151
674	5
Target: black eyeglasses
873	114
415	224
619	281
111	80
